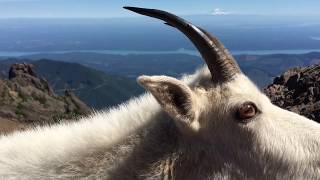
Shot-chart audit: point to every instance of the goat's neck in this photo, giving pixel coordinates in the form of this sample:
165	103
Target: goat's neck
33	148
49	146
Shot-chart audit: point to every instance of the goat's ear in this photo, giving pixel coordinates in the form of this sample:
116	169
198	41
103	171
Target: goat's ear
175	97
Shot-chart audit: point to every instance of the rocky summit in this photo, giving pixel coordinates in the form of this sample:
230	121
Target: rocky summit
298	90
26	99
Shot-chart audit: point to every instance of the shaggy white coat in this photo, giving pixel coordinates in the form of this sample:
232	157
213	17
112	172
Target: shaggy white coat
31	152
276	144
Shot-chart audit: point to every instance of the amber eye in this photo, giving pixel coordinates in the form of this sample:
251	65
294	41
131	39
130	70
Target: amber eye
247	111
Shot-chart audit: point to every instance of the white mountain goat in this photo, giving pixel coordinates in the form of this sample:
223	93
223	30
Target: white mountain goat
214	124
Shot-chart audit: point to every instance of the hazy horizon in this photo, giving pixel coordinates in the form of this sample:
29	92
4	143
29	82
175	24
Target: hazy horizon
113	8
147	34
58	25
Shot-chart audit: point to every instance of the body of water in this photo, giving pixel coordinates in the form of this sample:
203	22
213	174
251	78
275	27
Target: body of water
180	51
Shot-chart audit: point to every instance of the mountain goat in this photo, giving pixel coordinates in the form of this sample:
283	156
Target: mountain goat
214	124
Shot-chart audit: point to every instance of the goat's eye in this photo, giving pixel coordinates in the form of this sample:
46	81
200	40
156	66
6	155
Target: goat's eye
246	111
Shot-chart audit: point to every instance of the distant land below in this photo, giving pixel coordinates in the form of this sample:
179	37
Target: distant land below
103	80
141	52
261	68
146	34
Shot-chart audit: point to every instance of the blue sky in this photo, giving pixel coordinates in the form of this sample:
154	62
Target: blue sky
112	8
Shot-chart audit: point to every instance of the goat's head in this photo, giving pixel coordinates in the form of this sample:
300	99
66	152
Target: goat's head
223	106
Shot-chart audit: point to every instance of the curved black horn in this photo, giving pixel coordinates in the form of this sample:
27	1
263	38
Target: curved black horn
220	63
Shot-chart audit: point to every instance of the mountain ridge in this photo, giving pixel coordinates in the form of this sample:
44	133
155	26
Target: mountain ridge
114	76
97	89
260	68
27	100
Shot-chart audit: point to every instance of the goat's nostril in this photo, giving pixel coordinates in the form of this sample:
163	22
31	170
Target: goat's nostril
246	111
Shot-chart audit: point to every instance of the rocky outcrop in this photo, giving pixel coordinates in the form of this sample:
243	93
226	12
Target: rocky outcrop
26	99
25	75
21	70
298	90
74	103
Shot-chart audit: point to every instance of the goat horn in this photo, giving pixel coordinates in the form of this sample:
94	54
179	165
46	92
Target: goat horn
220	62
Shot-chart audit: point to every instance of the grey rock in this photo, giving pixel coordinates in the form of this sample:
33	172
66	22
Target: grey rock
298	90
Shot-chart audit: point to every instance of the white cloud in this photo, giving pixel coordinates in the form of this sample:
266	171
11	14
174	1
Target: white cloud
309	24
315	38
219	12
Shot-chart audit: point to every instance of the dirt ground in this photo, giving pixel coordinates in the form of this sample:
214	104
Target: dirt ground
8	126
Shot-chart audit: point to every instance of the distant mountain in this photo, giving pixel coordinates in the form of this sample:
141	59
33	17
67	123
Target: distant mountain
260	68
94	87
130	65
26	99
263	68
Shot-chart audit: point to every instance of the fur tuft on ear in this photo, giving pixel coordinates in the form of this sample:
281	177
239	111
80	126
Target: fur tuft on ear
173	95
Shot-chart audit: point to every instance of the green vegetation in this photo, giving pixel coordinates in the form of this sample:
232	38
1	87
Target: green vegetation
19	111
22	95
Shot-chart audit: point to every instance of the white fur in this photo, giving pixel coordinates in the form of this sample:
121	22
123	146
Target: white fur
32	150
277	144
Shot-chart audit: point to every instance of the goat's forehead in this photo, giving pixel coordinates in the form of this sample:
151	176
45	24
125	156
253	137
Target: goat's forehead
243	89
242	85
201	77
